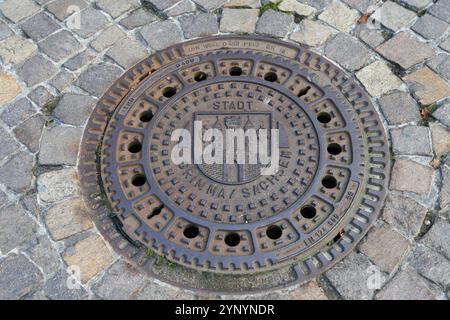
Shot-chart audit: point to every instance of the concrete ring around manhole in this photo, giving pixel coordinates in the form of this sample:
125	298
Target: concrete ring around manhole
231	226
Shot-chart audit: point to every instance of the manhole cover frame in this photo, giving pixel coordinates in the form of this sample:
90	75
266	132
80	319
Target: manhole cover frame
99	207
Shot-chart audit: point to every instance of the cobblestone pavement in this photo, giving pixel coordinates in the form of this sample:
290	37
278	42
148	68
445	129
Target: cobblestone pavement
53	73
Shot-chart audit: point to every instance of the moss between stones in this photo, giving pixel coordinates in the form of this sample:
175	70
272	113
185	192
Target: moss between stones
49	107
102	196
275	6
426	113
160	260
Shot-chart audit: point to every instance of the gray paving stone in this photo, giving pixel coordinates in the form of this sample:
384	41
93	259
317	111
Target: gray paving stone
59	145
138	18
42	2
121	281
393	16
91	20
349	277
318	4
16	50
378	79
405	50
115	8
44	254
80	60
18	277
378	239
62	80
8	144
311	33
438	237
430	27
443	114
431	265
447	162
39	26
417	4
275	24
445	190
160	35
17	112
199	25
107	38
98	78
441	65
399	107
441	9
60	8
10	87
410	176
127	53
160	4
29	132
210	4
360	5
254	4
347	51
17	173
373	37
56	288
36	70
57	185
156	291
239	20
60	46
296	7
440	136
404	214
17	228
29	202
5	31
41	96
67	218
184	6
406	285
90	254
411	140
426	86
4	200
38	295
339	16
18	10
74	108
445	44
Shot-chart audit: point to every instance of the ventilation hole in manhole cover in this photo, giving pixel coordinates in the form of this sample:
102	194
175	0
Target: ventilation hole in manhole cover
264	228
200	76
191	232
232	239
274	232
308	212
235	71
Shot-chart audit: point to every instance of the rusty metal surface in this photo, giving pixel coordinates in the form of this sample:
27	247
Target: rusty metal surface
334	164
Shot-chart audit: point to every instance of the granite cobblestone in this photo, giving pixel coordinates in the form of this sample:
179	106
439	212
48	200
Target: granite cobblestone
54	74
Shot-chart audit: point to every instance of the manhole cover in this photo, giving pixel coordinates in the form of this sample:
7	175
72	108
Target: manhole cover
231	218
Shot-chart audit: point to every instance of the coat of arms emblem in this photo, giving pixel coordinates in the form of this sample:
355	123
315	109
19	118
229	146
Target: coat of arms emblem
235	173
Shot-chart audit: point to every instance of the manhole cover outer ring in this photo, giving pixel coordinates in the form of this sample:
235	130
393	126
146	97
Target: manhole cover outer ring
99	207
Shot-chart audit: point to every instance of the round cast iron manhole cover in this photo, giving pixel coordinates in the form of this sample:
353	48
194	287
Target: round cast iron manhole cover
231	219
